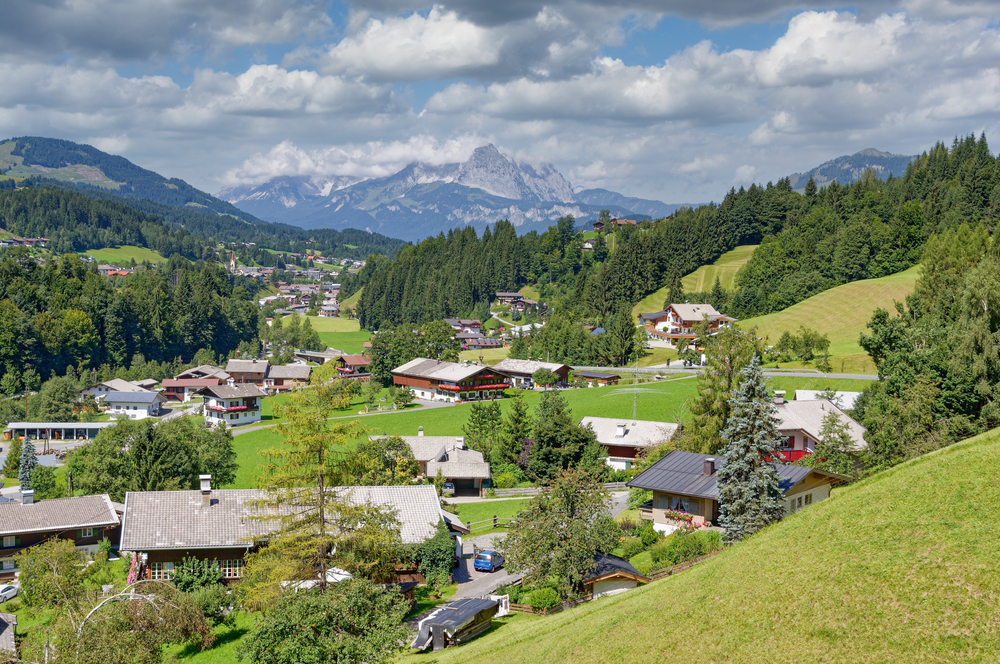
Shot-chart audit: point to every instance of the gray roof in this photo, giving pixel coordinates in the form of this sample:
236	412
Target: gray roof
638	433
460	464
682	473
808	416
119	385
132	397
528	367
234	392
290	372
57	514
595	374
206	370
177	520
605	564
7	623
435	370
846	399
247	366
427	448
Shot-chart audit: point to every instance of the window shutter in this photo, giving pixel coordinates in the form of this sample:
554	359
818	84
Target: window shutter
17	540
79	533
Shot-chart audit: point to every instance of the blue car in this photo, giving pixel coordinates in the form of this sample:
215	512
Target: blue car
488	561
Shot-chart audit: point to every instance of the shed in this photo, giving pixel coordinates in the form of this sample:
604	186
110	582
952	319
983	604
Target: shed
610	576
454	623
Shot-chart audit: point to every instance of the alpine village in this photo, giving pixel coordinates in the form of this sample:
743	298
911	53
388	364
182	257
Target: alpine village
755	430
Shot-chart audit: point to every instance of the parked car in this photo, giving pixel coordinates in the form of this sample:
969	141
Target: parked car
7	592
488	561
448	489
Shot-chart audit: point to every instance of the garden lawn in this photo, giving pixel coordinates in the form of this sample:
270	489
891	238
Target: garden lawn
502	509
490	355
900	567
842	313
224	649
341	333
656	355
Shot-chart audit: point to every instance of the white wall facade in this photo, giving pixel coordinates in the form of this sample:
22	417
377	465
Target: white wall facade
231	418
613	587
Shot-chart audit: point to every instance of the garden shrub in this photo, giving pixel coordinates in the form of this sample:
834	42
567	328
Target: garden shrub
648	534
514	592
192	574
632	546
214	602
630	527
681	548
544	598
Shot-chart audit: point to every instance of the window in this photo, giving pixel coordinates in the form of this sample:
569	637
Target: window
799	503
9	541
8	564
161	571
233	416
809	499
231	569
86	532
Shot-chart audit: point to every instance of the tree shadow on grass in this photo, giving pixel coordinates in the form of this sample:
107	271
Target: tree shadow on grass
226	637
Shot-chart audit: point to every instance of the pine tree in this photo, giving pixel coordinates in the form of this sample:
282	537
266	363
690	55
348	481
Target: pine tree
484	429
517	428
749	496
12	465
28	463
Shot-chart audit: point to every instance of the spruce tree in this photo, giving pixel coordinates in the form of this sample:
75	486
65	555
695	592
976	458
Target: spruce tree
749	497
12	464
28	463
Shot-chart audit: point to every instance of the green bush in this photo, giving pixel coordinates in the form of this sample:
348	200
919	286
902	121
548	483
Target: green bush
214	602
514	592
632	546
648	534
681	548
544	598
193	574
629	526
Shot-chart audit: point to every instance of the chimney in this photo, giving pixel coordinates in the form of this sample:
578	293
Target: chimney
460	443
27	497
620	431
420	431
779	397
206	490
709	467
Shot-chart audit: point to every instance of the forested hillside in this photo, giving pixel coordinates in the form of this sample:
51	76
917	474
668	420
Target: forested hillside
64	314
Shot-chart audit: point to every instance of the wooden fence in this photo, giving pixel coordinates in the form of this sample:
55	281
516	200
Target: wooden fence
534	490
656	575
490	524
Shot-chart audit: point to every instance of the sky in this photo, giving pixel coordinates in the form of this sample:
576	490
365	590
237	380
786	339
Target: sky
667	99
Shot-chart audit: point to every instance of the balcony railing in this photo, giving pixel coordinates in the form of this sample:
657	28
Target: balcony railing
230	409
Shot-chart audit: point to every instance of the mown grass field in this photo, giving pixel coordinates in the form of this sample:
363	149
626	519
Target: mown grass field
901	567
842	313
664	401
341	333
702	279
490	355
122	255
502	509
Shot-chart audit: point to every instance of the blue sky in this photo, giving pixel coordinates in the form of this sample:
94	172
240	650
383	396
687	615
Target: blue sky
663	99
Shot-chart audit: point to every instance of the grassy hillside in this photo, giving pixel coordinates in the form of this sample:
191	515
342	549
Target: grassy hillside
842	313
341	333
702	279
122	255
901	567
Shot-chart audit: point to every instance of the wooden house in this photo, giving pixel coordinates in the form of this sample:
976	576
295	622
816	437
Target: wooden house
450	381
234	405
611	575
679	321
623	440
248	371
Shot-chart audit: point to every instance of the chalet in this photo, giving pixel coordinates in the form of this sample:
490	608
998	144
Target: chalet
286	377
678	321
85	520
598	377
613	224
203	371
248	371
114	385
464	324
145	383
34	241
133	405
450	381
352	364
465	468
523	303
587	246
599	225
329	311
506	297
164	527
182	389
234	405
473	341
611	575
801	424
523	370
623	441
686	483
318	356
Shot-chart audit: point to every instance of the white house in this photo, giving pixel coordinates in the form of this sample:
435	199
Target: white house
622	438
133	405
236	405
114	385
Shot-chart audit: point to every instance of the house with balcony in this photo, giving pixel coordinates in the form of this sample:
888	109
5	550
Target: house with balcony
85	520
464	324
625	440
203	371
450	381
679	321
521	371
352	364
280	378
685	489
508	297
182	389
235	405
133	405
801	425
247	371
466	469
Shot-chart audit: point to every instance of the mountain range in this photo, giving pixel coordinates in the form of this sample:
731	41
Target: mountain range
849	168
424	199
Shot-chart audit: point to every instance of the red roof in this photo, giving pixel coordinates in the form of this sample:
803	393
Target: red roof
356	360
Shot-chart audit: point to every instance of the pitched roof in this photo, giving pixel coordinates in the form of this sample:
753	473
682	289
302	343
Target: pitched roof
190	382
682	473
8	621
56	514
356	360
610	566
427	448
132	397
638	433
177	519
694	312
595	374
119	385
205	370
808	416
526	366
435	370
461	464
247	366
234	392
290	372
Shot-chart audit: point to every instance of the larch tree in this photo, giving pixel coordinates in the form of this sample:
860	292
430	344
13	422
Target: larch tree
749	493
